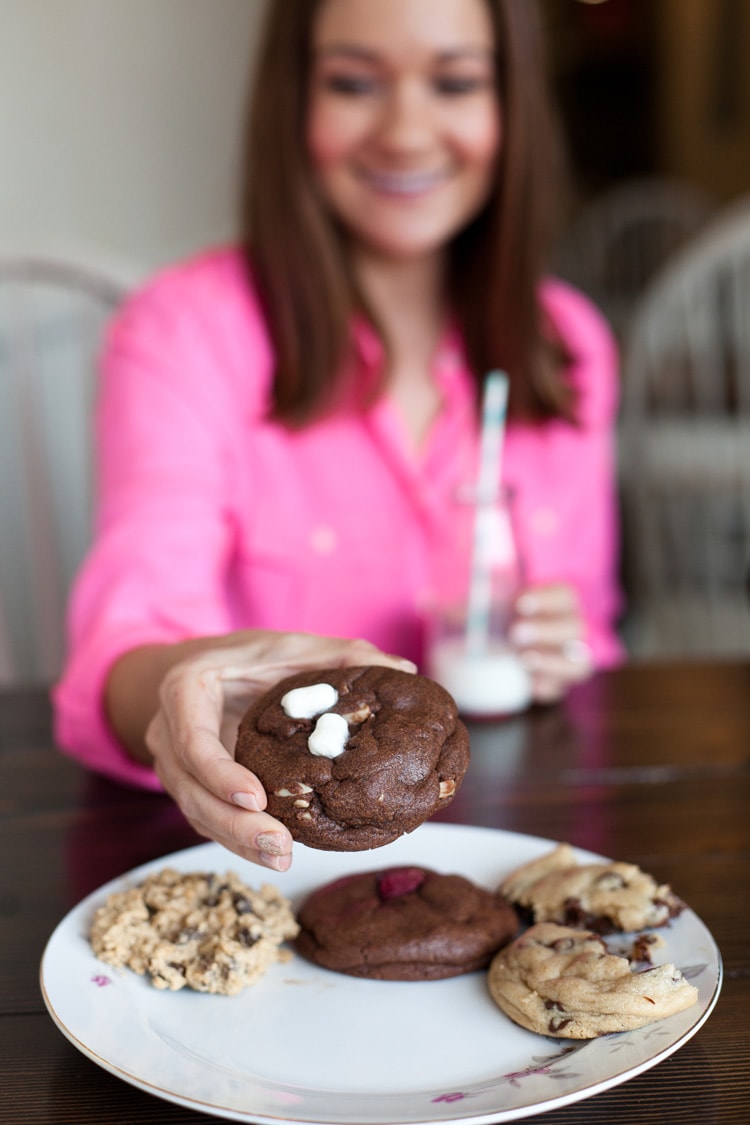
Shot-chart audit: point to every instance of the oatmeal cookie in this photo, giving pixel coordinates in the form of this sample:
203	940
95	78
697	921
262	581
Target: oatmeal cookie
605	897
404	923
564	983
208	932
352	758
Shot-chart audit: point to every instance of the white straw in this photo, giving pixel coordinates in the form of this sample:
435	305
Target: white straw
494	409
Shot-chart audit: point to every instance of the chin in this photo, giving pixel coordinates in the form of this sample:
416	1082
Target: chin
408	247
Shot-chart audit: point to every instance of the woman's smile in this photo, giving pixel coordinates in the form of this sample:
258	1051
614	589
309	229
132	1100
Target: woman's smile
403	185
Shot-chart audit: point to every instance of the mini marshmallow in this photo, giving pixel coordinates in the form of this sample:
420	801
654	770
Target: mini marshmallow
328	740
307	702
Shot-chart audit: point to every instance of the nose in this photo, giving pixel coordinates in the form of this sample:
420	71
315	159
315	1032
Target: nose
407	121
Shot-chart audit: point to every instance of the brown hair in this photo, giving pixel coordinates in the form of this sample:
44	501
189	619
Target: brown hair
297	258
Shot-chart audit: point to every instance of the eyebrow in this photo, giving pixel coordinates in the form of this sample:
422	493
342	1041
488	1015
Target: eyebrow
353	50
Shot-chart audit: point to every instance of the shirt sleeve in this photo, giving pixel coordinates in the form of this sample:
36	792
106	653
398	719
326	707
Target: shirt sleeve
570	516
164	440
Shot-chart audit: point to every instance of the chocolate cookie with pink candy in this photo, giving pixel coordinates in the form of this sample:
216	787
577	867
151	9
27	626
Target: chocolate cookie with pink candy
404	923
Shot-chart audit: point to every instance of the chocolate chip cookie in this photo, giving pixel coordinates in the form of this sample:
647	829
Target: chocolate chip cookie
404	923
605	897
352	758
563	982
198	930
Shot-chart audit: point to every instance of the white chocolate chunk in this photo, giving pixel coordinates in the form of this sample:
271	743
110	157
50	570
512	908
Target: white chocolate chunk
307	702
299	787
328	740
359	716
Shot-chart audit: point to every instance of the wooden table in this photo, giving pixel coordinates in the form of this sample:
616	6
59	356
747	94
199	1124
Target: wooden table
649	764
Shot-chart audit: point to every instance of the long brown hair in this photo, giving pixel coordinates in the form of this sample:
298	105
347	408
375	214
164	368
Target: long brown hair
297	258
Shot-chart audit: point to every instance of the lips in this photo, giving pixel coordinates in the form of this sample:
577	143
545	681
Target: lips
403	184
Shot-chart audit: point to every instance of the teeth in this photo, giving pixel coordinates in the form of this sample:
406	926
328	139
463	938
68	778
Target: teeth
404	183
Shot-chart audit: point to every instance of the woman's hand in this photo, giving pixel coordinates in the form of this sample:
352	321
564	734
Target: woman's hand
192	735
548	630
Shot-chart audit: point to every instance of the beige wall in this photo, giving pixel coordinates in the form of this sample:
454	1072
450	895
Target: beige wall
695	142
119	125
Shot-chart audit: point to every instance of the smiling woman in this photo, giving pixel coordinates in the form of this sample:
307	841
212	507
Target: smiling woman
470	74
402	133
284	427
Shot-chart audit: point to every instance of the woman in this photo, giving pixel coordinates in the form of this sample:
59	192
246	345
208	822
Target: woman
282	428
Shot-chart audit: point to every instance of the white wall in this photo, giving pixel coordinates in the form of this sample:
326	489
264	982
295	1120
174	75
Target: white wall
120	124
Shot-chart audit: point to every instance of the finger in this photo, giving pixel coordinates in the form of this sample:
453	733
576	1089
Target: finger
185	739
545	632
285	655
578	653
546	689
251	834
363	652
558	665
257	837
554	598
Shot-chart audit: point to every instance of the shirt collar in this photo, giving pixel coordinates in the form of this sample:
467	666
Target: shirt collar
449	366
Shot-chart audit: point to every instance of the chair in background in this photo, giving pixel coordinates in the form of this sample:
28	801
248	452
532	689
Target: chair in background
51	319
617	241
685	450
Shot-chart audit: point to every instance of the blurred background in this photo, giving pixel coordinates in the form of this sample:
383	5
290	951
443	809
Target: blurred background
120	130
120	126
654	87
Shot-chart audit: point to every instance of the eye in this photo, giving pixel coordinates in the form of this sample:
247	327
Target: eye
456	85
349	85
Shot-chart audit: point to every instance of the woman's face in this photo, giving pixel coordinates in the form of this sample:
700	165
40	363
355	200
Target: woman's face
404	126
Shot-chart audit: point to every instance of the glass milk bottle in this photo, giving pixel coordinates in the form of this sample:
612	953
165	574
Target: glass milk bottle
477	576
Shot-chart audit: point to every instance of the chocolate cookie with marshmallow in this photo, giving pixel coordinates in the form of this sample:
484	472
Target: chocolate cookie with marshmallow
352	758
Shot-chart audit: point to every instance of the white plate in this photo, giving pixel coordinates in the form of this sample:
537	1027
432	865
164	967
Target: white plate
314	1047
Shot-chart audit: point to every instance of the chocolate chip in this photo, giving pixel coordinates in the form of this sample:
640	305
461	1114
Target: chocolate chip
610	881
641	950
241	904
575	915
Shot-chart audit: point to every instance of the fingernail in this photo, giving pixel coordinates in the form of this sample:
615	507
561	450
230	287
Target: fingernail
578	652
402	663
246	801
523	633
272	843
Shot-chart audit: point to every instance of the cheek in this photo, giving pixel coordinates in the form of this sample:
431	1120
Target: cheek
481	144
319	147
330	136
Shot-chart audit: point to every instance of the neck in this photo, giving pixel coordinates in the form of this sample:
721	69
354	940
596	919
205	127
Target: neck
407	299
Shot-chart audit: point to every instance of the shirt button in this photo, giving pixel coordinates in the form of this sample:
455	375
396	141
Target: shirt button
545	521
323	540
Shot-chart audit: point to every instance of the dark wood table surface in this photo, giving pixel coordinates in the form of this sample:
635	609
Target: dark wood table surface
648	764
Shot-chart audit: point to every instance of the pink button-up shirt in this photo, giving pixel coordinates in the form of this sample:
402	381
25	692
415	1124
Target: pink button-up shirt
211	518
